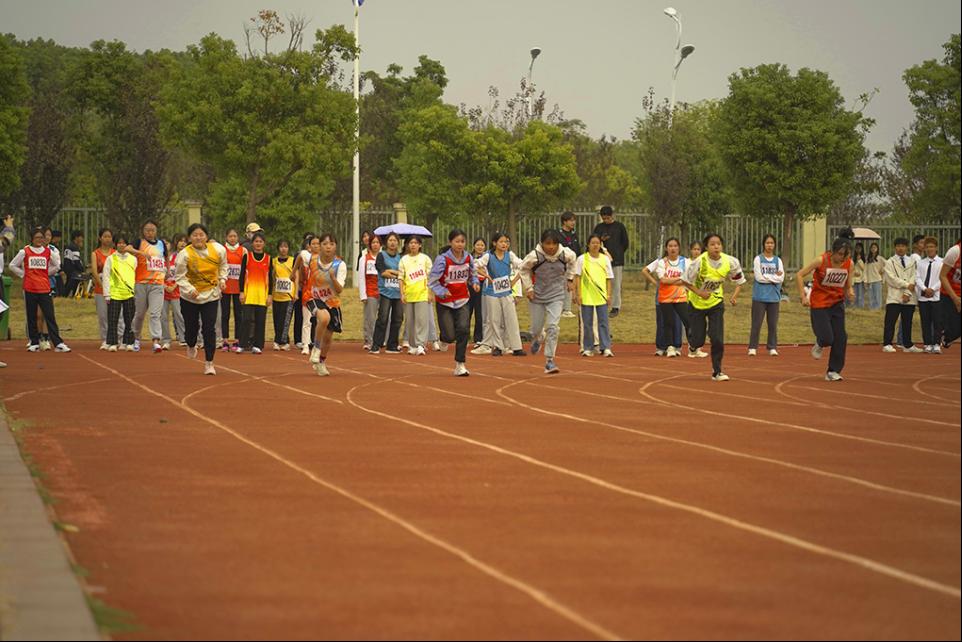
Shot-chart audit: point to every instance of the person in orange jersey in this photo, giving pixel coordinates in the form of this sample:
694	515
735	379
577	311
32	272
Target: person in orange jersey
327	275
256	288
235	257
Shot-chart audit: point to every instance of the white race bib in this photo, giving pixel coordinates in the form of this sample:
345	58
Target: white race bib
390	282
37	262
283	286
233	271
501	284
957	275
323	293
458	273
371	268
835	278
157	264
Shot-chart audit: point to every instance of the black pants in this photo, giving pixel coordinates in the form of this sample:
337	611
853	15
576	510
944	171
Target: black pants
193	314
115	308
714	319
951	320
762	310
279	311
829	327
32	301
477	311
931	314
671	314
894	311
226	301
454	325
253	327
388	310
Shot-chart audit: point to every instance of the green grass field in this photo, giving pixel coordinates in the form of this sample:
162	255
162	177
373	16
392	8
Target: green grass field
635	324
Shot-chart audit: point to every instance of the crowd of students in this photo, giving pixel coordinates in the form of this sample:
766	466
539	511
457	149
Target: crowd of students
199	284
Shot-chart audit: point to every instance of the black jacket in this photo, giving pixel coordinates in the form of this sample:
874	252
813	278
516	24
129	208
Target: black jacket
615	238
570	241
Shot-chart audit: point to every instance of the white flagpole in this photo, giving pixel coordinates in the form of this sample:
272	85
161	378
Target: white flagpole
356	224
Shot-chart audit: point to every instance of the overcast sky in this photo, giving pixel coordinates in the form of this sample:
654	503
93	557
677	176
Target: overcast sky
599	56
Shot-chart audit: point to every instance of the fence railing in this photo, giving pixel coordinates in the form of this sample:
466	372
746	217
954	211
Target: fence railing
948	235
90	220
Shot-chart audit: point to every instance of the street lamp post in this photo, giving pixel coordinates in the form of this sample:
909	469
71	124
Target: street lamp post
356	205
535	52
680	54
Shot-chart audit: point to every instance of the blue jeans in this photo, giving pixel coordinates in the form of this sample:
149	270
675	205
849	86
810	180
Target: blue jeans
874	295
587	323
859	295
662	341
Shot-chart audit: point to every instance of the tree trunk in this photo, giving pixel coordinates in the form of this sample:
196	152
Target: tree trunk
788	236
513	224
251	213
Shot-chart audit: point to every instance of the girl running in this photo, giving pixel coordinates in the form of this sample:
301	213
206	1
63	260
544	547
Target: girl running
452	278
327	275
35	264
235	257
546	273
172	297
301	274
201	272
151	253
389	309
415	295
831	285
302	259
97	259
478	249
705	279
119	285
666	274
593	295
499	267
766	296
256	289
282	267
367	285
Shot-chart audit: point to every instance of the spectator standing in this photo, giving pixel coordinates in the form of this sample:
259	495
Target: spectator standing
615	237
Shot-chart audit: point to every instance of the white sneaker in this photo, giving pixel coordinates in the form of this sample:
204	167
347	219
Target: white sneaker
752	352
697	354
366	347
276	346
33	348
112	348
45	345
721	376
104	346
413	351
436	346
773	352
832	376
568	314
672	352
286	347
444	347
936	350
660	353
298	345
165	346
130	348
405	345
209	368
321	370
460	370
2	364
191	352
482	349
61	347
888	348
912	349
136	345
315	355
608	353
816	351
587	353
256	350
420	352
306	349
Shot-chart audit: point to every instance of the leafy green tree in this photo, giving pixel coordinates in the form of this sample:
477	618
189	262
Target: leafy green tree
607	167
14	94
789	144
276	129
924	178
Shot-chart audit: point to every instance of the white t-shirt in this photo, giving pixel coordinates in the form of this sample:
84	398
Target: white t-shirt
659	267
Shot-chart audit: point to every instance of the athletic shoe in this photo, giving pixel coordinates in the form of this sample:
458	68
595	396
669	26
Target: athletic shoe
832	376
519	353
315	355
112	348
2	364
45	346
276	346
535	346
298	345
321	370
912	349
405	344
237	349
136	345
305	349
927	349
191	352
220	344
697	354
587	353
412	351
614	312
366	347
481	349
436	346
165	346
460	370
496	352
130	347
660	353
375	351
181	343
421	352
936	350
816	351
550	367
773	352
608	353
888	348
388	351
61	347
285	347
752	352
104	346
209	368
672	351
256	350
33	347
721	376
568	314
444	346
225	347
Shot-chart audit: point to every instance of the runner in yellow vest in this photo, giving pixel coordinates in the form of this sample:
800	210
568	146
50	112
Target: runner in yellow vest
705	279
201	273
119	278
594	276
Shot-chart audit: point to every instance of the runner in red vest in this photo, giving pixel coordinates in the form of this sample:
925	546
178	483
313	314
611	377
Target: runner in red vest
35	264
951	277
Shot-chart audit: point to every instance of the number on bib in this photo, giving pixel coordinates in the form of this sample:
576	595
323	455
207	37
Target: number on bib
458	273
37	263
417	276
283	286
322	293
501	285
371	268
392	283
711	286
835	278
233	271
157	264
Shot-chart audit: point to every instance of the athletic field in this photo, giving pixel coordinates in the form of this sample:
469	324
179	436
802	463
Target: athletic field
624	498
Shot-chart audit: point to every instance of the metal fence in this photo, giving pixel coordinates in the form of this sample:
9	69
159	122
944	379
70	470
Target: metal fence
948	235
89	220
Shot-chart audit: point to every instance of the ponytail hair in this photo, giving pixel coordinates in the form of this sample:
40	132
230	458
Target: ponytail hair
844	241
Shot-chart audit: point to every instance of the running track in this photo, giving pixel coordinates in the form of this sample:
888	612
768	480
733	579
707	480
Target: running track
624	498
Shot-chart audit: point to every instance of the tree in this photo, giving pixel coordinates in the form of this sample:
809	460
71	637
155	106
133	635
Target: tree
14	93
789	144
865	201
265	125
924	178
116	91
605	169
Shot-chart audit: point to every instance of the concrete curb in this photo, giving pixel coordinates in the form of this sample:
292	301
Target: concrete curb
40	598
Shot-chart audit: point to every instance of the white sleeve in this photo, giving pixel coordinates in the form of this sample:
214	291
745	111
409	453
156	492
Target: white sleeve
104	276
187	289
579	265
951	256
691	274
776	278
609	270
757	270
16	265
341	275
224	267
54	267
653	266
515	262
736	271
483	261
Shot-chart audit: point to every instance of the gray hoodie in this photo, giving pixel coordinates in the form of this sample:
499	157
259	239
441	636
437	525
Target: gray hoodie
548	274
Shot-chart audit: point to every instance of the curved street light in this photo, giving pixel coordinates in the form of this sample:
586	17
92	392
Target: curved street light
680	54
535	52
